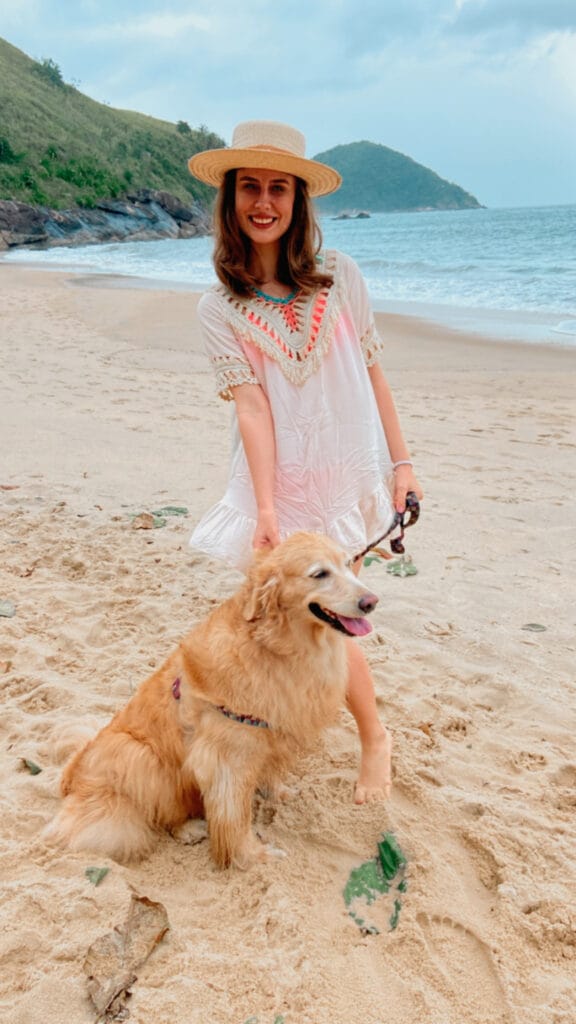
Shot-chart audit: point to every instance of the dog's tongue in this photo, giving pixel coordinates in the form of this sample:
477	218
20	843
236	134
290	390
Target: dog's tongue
358	627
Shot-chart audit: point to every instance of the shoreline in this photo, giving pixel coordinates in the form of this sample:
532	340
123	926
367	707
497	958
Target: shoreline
518	326
137	327
109	410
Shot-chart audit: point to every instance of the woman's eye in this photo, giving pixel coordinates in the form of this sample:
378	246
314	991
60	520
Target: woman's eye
320	574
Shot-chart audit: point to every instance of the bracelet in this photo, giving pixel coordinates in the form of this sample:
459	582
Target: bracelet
402	462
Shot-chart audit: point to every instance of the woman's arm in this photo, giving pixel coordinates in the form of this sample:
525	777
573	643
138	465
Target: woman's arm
404	478
257	432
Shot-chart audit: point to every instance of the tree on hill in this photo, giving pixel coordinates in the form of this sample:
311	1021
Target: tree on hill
377	178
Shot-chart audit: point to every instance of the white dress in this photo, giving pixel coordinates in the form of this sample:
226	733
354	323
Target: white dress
310	357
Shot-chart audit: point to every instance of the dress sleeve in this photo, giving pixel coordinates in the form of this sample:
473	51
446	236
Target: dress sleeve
361	309
224	350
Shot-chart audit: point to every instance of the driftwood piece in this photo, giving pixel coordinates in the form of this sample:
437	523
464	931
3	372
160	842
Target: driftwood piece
112	959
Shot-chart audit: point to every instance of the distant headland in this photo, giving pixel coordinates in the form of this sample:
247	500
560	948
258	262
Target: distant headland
377	179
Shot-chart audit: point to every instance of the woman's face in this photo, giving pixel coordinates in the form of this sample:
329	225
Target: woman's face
264	202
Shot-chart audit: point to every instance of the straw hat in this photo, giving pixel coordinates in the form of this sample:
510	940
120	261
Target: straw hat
269	145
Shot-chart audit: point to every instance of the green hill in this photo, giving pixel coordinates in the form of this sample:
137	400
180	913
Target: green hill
376	178
61	149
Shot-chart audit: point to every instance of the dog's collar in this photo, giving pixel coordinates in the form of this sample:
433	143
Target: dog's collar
242	719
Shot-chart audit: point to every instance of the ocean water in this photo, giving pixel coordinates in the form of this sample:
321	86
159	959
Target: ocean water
508	273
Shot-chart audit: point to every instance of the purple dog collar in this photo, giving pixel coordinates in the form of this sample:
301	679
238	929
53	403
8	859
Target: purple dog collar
241	719
244	719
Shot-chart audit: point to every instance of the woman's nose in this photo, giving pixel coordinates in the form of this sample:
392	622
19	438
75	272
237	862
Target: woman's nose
263	199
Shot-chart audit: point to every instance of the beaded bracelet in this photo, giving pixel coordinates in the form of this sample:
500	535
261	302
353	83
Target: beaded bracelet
402	462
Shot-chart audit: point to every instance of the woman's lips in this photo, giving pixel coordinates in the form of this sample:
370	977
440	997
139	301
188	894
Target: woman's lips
262	222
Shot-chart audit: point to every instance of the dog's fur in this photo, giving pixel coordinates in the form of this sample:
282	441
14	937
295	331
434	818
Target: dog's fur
166	758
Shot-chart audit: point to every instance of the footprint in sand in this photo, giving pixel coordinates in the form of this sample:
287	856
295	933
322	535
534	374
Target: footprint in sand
440	630
529	760
464	972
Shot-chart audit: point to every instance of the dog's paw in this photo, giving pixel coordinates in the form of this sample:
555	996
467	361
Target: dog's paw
277	792
257	852
191	832
287	793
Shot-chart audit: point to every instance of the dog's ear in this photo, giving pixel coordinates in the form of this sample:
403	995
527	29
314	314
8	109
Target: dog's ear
263	595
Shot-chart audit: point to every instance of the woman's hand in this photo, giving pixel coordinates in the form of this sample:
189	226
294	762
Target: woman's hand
404	481
266	534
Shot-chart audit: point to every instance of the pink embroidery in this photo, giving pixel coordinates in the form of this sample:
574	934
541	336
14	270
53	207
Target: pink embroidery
296	334
294	321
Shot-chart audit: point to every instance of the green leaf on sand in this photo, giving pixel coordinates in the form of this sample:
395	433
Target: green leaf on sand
33	768
534	627
171	510
157	518
383	874
96	875
391	856
371	558
403	566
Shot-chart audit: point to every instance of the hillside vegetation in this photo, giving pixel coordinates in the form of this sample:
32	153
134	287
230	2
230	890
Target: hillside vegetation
376	178
61	149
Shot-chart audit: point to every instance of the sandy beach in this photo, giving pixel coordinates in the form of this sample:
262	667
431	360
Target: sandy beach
108	409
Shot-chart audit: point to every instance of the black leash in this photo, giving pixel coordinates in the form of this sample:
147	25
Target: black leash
413	510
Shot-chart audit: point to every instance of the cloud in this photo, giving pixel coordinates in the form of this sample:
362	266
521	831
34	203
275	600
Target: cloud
460	85
422	26
166	27
15	12
525	18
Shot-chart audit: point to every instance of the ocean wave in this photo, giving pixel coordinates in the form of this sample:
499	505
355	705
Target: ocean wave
566	327
521	259
371	267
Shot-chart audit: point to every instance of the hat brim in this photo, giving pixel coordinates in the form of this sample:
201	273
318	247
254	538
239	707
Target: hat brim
211	165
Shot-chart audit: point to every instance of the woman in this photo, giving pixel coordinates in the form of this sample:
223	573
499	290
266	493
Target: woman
292	340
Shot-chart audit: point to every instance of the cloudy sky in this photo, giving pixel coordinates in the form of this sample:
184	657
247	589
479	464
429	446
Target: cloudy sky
481	91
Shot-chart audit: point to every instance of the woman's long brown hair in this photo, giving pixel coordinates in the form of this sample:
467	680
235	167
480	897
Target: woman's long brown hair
297	267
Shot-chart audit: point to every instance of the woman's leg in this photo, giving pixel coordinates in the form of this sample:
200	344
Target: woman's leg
375	778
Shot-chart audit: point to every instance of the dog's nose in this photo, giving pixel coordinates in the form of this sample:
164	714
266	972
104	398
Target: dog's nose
367	603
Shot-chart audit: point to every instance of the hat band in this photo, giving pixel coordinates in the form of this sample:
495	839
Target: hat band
274	149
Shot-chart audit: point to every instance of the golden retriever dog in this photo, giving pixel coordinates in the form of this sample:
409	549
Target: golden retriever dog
247	690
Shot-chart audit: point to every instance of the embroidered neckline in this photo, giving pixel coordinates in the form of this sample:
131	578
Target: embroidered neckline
296	334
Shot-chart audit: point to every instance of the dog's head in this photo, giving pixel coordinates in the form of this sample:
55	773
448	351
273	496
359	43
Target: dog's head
307	580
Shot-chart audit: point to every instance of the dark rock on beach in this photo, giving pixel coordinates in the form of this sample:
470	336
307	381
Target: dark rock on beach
143	215
20	224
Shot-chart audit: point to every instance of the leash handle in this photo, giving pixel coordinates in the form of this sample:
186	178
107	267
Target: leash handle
412	506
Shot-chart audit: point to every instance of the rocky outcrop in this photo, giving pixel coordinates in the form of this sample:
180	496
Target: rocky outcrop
20	224
141	216
357	215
